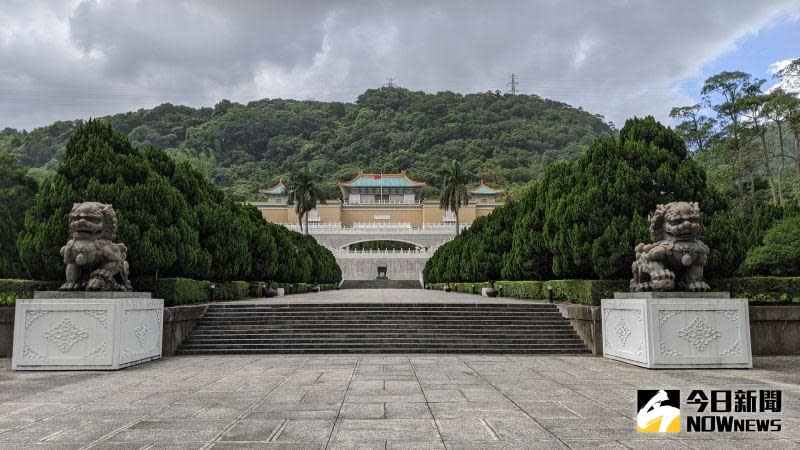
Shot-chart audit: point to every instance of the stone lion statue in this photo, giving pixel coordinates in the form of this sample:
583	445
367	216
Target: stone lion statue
675	258
94	263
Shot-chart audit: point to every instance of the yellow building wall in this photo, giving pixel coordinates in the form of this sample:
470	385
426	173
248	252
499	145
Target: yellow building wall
275	214
360	214
431	213
347	215
330	212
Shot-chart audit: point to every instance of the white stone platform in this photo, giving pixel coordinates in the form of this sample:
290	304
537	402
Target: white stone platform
677	330
86	330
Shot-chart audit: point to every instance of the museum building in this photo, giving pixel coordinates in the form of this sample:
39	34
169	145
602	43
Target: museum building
371	199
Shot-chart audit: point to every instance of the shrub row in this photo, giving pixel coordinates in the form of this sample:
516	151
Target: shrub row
174	291
590	292
11	289
761	289
586	292
256	288
178	291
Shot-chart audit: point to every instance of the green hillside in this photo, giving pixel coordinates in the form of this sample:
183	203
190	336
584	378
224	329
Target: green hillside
506	140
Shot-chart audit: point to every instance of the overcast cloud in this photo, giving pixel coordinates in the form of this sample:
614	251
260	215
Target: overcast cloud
74	59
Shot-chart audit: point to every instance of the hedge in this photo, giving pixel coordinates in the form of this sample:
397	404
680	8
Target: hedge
587	292
590	292
11	289
761	289
174	291
302	288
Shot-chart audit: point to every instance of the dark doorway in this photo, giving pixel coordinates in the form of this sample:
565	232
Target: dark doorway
382	273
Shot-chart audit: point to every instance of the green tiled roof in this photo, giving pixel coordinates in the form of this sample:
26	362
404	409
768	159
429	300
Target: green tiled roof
386	180
483	189
278	189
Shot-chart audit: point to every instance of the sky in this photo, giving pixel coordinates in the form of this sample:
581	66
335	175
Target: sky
69	59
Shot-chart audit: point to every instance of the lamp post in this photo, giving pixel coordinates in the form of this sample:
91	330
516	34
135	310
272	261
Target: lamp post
549	293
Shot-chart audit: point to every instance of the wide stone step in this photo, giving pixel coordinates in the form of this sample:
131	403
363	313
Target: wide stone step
376	327
391	328
338	314
383	306
388	320
377	331
373	350
435	344
381	338
381	284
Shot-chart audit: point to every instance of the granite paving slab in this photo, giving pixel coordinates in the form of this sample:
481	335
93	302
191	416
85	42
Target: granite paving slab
372	401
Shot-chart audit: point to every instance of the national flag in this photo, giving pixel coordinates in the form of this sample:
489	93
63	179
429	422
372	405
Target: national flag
377	176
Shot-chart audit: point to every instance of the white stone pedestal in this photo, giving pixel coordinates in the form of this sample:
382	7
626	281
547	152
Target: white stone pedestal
677	330
86	330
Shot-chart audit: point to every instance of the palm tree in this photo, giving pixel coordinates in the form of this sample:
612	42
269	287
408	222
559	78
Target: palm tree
305	193
454	189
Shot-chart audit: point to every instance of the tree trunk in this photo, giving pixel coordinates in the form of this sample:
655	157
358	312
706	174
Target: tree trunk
458	225
781	162
765	159
306	219
753	192
300	221
797	148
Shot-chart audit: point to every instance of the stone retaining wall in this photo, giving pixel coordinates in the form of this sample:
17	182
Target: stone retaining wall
179	321
587	323
6	331
774	329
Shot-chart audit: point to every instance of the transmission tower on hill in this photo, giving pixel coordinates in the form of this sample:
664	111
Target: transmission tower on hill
390	83
513	84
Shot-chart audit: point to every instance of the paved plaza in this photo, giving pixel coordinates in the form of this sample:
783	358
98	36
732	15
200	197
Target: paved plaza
381	401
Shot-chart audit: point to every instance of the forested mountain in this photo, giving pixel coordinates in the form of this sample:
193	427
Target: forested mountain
506	140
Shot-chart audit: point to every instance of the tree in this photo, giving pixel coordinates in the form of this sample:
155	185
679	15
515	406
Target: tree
583	218
755	108
779	108
17	194
731	88
790	77
243	147
305	193
780	254
454	189
173	220
696	129
155	221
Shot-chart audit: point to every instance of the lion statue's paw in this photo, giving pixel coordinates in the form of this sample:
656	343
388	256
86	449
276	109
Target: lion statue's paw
662	280
700	286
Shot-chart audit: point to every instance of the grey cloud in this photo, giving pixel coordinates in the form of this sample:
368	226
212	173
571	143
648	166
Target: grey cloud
617	58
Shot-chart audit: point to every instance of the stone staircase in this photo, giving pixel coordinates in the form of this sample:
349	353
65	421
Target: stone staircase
382	328
380	284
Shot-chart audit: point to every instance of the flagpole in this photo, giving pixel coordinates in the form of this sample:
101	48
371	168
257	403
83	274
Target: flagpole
381	185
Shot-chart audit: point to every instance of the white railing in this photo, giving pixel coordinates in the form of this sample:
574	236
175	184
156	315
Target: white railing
318	226
382	225
415	251
382	202
372	251
444	226
376	227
